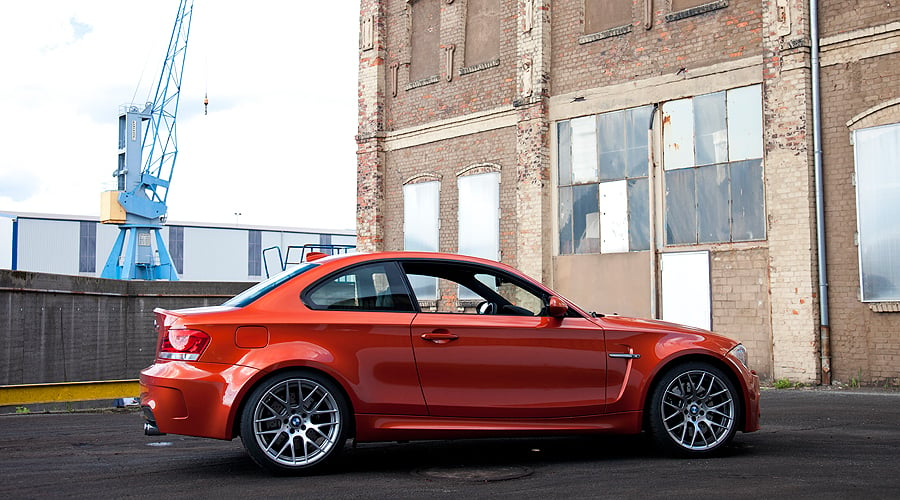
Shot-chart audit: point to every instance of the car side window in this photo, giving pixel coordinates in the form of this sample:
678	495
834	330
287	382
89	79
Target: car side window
472	289
372	287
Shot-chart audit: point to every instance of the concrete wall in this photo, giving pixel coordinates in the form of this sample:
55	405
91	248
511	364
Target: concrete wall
56	328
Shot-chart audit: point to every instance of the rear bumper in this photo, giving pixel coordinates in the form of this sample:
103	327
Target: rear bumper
193	399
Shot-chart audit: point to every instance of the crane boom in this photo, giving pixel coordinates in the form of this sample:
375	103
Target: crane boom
148	148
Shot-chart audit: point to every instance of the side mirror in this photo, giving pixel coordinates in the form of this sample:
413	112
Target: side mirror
556	307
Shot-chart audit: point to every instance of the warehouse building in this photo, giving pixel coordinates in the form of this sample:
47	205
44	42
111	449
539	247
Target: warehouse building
76	245
731	164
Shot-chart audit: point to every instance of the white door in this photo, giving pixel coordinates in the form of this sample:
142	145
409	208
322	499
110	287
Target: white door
686	294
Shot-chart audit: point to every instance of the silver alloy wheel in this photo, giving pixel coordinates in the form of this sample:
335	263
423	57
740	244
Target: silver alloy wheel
698	410
297	422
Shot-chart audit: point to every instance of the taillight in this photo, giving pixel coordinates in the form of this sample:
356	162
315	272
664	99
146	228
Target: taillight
183	345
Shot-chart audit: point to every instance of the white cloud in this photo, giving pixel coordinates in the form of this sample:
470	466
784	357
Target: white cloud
277	144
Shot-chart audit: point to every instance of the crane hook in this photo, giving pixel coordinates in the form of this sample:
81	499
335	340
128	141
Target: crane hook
205	103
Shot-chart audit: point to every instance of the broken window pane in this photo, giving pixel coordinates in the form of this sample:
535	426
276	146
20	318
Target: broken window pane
638	214
584	149
611	135
712	204
711	137
748	205
564	138
745	123
681	207
585	219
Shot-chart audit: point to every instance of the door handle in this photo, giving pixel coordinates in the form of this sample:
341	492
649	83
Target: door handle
439	337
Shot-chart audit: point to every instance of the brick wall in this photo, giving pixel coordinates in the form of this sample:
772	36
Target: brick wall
477	91
839	16
865	344
740	302
765	294
443	160
702	40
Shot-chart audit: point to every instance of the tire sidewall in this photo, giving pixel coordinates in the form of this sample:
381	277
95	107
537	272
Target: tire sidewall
655	420
248	434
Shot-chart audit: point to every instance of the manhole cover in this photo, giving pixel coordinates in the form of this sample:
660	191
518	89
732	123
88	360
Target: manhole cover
482	473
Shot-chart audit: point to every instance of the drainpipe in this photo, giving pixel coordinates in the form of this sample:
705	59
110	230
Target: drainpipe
824	327
651	182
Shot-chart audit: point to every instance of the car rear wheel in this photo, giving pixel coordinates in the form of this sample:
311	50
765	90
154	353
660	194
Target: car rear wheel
694	409
295	422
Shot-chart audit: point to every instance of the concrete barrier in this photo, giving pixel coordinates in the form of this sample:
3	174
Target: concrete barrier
57	328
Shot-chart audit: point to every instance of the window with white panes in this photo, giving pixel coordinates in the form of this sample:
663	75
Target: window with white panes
713	151
603	187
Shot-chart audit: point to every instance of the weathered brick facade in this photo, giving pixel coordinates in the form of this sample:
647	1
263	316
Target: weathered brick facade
502	113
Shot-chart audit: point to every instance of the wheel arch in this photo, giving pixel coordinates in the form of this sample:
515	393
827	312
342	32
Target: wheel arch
689	358
234	419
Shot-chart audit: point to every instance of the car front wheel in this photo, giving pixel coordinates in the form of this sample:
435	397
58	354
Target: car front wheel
295	422
694	409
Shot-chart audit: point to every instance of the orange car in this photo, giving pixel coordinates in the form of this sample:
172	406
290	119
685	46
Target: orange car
404	346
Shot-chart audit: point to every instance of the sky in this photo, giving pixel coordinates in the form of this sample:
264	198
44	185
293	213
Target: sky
277	145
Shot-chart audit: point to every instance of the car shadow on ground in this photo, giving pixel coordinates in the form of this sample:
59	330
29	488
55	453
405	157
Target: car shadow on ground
477	455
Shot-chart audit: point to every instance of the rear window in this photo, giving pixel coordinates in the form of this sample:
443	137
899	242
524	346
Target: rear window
263	287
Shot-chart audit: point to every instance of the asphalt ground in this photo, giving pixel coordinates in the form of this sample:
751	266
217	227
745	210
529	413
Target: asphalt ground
814	444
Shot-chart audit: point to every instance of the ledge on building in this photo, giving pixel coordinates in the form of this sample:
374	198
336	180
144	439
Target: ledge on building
884	307
423	82
696	11
479	67
617	31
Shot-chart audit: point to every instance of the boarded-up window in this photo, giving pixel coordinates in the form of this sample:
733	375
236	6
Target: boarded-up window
421	228
425	39
877	159
482	31
687	4
602	15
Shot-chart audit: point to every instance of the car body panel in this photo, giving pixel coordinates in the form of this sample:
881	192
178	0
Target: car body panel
472	375
511	366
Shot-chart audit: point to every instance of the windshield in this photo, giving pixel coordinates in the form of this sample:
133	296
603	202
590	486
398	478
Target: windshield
264	287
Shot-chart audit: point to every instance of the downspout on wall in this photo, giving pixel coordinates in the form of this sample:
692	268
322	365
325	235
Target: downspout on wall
824	325
651	182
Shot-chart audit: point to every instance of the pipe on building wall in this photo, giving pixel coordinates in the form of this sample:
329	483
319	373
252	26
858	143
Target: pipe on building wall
824	326
651	181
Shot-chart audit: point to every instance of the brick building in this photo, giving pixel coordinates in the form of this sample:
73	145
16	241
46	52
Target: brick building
654	158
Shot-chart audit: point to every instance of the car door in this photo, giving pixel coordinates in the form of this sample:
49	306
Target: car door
511	361
362	316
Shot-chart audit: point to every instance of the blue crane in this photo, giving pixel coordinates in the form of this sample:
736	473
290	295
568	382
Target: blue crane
147	152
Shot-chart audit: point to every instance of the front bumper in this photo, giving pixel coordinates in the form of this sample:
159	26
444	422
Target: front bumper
752	413
193	399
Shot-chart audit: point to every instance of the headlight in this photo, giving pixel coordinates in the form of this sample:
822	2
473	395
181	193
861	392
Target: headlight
740	353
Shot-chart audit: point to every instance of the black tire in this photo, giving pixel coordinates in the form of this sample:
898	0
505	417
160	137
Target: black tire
295	422
694	410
